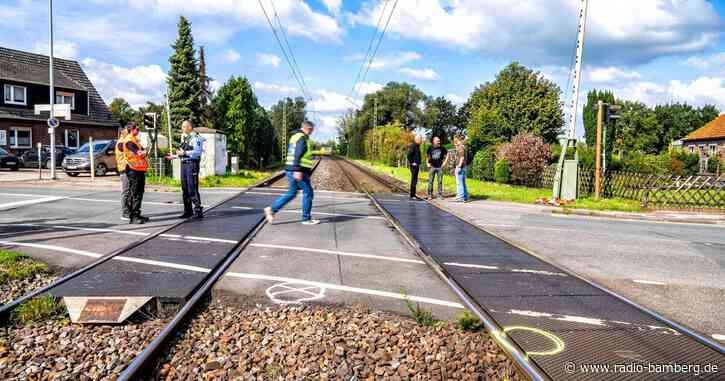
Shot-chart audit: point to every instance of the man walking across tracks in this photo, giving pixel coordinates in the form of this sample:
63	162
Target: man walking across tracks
136	166
437	156
121	167
192	147
414	163
298	169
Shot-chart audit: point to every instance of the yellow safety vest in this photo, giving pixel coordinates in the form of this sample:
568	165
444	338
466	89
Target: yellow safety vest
306	159
120	154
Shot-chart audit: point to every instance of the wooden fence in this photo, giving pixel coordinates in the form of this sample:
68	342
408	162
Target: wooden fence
655	191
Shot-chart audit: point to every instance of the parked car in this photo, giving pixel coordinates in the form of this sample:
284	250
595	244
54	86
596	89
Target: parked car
104	158
8	160
29	159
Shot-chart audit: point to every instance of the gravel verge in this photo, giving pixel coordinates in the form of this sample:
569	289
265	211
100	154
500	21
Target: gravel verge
15	288
59	350
325	343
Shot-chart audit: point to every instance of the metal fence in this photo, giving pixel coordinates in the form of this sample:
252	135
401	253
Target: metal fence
159	168
655	191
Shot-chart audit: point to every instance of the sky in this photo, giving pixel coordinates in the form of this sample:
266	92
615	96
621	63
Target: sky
654	51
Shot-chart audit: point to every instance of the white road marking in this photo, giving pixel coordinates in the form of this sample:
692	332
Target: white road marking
329	286
471	266
41	200
297	211
316	196
540	272
718	337
653	282
335	252
196	238
55	198
357	290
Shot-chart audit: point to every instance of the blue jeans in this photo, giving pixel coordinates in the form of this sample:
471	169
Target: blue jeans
461	188
294	186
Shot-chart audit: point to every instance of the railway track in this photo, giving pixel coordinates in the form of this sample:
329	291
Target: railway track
614	331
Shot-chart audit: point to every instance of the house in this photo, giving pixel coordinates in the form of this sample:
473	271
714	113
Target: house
24	82
708	141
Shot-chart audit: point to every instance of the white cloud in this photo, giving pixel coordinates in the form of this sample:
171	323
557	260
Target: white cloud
232	56
327	127
274	89
330	101
716	61
701	91
365	88
422	74
545	30
395	60
610	74
137	85
459	100
265	59
297	17
333	6
61	49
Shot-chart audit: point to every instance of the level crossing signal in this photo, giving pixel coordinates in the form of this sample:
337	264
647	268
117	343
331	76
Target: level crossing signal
149	120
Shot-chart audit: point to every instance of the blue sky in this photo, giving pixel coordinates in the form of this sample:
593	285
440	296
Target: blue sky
655	51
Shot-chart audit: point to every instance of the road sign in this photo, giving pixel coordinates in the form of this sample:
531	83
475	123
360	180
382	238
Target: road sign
53	122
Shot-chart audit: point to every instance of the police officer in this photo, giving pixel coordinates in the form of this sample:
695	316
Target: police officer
298	169
192	146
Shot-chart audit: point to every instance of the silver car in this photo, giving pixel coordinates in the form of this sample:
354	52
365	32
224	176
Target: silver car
104	157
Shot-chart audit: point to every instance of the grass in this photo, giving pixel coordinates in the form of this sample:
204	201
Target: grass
39	308
244	179
486	190
469	322
421	315
16	266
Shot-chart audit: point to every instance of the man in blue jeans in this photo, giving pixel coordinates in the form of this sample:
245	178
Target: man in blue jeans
298	169
461	170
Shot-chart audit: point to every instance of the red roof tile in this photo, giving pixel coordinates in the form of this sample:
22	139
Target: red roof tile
712	130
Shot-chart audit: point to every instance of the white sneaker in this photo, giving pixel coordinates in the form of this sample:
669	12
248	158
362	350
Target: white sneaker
268	214
311	222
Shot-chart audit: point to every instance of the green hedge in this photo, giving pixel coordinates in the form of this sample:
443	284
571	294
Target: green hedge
502	172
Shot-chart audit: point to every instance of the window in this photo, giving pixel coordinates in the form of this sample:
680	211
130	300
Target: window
713	149
21	137
72	138
64	98
692	149
15	95
3	138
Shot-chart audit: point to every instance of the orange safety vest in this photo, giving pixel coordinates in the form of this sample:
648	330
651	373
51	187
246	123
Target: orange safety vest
134	160
120	154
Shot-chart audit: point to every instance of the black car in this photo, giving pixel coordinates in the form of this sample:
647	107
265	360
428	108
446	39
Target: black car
29	159
8	160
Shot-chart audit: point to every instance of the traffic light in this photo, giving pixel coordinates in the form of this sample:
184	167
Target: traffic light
149	120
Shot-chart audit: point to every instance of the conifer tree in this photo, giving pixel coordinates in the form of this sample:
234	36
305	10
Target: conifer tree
183	80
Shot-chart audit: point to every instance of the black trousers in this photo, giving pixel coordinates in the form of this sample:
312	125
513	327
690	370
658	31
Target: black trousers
190	186
136	187
414	179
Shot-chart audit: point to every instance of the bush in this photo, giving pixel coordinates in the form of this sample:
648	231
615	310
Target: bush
714	165
387	144
483	163
527	155
502	174
469	322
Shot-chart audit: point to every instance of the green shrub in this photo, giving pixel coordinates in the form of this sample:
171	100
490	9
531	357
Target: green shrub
483	163
420	315
469	322
714	165
502	174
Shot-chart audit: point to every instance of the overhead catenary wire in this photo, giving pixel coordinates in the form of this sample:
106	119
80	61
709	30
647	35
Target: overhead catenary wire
367	54
291	53
380	41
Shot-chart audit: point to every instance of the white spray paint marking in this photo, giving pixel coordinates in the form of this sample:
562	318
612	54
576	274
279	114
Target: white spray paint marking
335	252
41	200
328	286
583	320
530	313
653	282
718	337
275	293
471	266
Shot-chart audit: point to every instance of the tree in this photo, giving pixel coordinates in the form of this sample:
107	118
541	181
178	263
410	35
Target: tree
205	93
396	102
637	130
441	118
122	111
291	110
183	81
523	101
590	116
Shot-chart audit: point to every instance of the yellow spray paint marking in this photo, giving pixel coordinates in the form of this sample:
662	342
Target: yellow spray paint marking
558	343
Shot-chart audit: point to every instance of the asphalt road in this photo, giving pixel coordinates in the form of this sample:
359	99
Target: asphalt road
675	269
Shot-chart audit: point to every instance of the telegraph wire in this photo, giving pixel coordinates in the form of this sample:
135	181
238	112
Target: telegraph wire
380	41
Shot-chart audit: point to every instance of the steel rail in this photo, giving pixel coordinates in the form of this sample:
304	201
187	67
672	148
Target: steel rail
7	308
141	363
497	333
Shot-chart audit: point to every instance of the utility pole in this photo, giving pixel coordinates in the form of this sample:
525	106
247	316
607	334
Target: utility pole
51	130
168	120
284	131
598	157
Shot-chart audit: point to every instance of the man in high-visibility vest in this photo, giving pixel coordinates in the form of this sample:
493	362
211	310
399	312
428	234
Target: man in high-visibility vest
136	166
121	168
298	169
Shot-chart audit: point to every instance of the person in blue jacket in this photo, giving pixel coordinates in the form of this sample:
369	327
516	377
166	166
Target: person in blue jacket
190	151
298	169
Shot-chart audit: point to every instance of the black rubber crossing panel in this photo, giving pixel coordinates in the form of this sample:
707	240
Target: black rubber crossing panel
175	263
556	318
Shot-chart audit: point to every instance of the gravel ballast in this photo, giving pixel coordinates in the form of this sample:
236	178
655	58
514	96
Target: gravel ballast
326	343
15	288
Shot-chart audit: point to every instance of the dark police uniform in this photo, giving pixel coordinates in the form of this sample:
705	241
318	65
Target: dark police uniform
193	146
